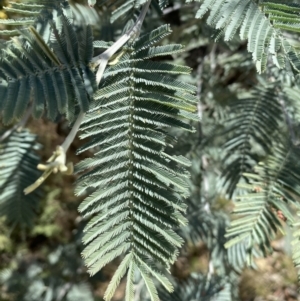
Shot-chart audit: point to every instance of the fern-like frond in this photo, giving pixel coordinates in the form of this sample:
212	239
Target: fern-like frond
122	8
18	161
163	3
197	287
270	192
137	188
50	75
283	15
127	8
27	280
210	228
41	13
30	13
264	38
254	120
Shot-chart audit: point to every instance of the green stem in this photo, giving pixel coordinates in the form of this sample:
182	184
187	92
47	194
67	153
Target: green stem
69	139
134	32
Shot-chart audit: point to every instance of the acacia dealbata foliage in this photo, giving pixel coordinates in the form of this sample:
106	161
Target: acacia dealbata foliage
188	111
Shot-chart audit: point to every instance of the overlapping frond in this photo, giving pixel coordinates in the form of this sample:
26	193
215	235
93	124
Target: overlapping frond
163	3
137	187
198	287
122	8
210	228
253	24
41	13
53	76
18	161
283	15
270	193
28	279
29	13
126	7
254	121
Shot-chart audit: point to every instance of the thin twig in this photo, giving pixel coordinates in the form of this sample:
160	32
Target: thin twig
57	162
206	207
199	89
212	55
71	136
200	106
63	291
134	32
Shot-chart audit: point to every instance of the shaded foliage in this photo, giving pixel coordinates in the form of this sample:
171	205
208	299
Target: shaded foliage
139	129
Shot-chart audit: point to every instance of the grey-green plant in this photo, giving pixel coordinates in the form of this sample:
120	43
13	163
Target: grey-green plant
167	138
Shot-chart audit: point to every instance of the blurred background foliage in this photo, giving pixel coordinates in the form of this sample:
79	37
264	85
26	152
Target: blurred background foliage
2	13
43	263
